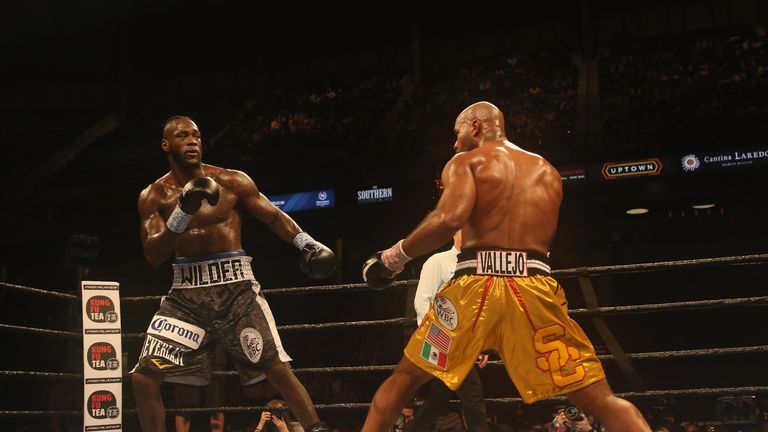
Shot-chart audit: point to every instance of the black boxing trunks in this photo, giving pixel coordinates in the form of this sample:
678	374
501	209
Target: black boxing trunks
213	297
507	301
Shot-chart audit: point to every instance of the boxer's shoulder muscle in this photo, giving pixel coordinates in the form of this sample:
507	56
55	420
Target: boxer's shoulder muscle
228	178
159	195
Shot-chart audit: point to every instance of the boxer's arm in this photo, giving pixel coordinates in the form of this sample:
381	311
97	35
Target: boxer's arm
316	260
158	241
258	206
452	210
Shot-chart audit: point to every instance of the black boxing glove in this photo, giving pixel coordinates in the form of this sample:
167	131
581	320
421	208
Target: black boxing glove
316	260
197	190
192	196
376	274
379	271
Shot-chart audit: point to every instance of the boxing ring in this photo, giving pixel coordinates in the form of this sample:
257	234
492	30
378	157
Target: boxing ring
625	367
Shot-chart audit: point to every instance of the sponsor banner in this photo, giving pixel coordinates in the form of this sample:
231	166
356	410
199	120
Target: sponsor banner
573	174
633	168
374	194
710	161
102	408
102	357
163	354
304	200
182	332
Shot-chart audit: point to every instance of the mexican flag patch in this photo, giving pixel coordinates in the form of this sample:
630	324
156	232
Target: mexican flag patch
433	355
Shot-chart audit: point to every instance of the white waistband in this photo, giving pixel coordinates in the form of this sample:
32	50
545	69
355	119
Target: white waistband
212	272
502	263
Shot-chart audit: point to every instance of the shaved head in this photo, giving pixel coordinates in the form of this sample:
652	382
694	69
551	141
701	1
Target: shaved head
487	113
478	123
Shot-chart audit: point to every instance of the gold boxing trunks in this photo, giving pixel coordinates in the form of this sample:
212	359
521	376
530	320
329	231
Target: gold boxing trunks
505	300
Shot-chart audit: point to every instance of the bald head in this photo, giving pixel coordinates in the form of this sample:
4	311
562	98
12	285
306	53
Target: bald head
489	116
479	123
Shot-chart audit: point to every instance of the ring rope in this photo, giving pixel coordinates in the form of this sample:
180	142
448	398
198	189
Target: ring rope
357	405
61	413
582	271
661	265
30	374
629	309
662	307
343	287
330	325
39	331
571	272
712	391
37	291
705	352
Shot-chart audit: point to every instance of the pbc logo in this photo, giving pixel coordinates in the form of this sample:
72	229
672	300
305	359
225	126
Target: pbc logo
102	404
103	356
101	309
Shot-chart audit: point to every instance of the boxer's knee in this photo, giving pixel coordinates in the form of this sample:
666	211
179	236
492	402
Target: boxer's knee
146	384
280	375
411	375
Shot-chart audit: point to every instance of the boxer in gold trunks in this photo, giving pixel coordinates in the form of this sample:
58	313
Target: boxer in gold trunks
506	202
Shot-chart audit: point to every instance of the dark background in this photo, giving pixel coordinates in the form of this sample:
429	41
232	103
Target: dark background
366	94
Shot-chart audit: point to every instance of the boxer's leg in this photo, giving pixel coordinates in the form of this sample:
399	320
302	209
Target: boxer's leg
149	402
393	394
615	413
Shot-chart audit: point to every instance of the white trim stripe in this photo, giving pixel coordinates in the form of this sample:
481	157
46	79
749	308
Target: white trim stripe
273	328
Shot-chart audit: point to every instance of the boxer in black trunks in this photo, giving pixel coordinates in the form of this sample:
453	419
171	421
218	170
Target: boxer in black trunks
195	212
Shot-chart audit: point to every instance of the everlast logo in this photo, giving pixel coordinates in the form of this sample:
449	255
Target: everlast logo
212	273
157	348
179	331
502	263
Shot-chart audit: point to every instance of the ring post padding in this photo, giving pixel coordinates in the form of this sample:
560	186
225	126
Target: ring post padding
102	357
